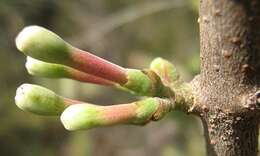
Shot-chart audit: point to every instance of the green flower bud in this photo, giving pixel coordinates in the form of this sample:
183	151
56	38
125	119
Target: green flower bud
40	68
52	70
43	44
165	70
87	116
39	100
82	116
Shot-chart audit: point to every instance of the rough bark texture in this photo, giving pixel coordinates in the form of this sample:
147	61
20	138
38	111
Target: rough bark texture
230	76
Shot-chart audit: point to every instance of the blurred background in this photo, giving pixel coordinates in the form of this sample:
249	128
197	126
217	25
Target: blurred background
129	33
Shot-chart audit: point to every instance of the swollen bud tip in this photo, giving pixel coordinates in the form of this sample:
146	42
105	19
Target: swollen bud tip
23	37
39	100
165	70
81	116
42	44
40	68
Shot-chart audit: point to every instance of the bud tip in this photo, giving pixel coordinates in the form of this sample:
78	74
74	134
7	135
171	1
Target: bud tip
24	36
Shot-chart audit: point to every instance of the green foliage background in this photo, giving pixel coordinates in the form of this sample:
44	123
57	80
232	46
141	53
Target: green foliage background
106	28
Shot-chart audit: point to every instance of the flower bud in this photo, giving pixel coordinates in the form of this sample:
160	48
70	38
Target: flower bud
43	44
46	46
165	70
51	70
39	100
40	68
87	116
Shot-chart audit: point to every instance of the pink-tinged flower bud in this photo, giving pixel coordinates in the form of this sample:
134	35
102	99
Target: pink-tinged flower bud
87	116
39	68
45	45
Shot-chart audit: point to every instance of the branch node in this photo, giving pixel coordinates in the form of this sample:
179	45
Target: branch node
253	101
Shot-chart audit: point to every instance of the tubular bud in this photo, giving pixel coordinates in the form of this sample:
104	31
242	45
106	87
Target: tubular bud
51	70
44	45
40	68
87	116
39	100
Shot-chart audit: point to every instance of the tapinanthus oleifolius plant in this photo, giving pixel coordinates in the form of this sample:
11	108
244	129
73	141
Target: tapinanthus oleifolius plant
48	55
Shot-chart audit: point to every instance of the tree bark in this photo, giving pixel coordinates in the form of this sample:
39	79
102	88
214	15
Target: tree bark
227	88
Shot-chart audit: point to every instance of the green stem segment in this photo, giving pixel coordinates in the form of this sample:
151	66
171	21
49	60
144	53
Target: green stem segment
146	83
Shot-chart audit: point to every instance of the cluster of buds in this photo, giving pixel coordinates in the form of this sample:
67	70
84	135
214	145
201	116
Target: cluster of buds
50	56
